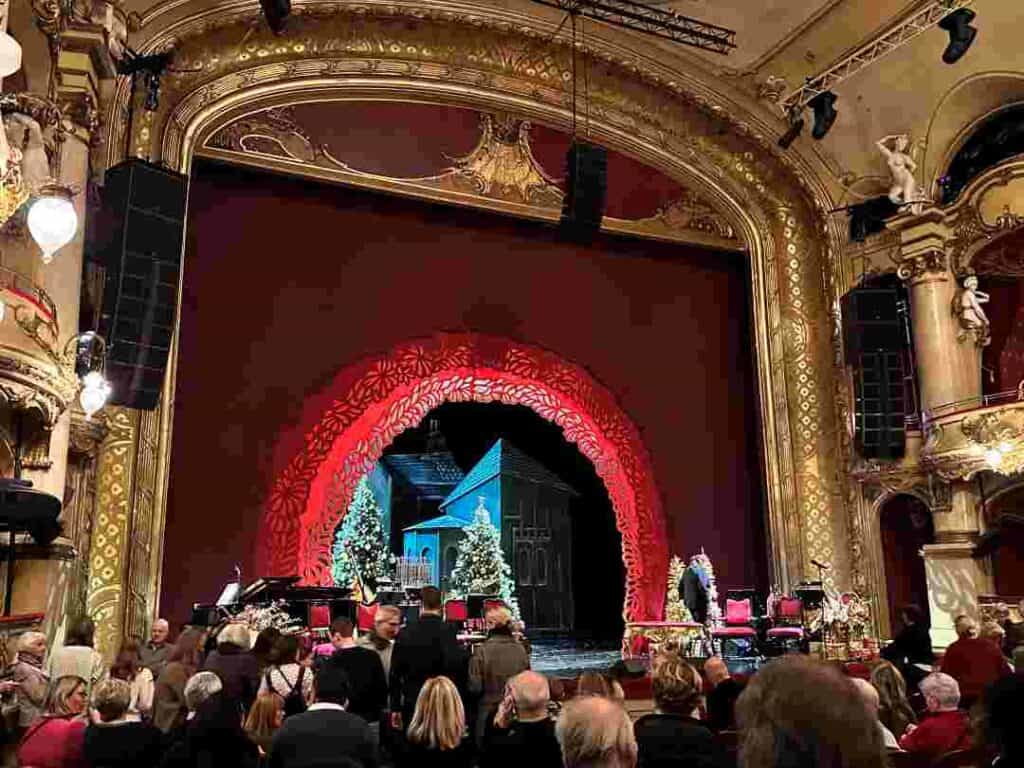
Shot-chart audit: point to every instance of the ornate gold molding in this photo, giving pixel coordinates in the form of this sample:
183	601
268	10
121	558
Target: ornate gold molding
959	445
923	265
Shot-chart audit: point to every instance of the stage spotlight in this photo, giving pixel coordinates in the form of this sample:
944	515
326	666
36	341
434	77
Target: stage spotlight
796	125
823	107
961	34
276	12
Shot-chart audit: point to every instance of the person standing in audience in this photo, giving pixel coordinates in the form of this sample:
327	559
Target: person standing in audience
156	651
944	728
894	710
1001	706
264	720
235	666
674	736
169	708
56	739
911	647
423	649
32	680
798	711
595	732
325	734
263	646
367	685
213	737
973	662
1014	632
77	658
386	623
436	736
870	696
522	733
493	663
721	698
286	677
128	667
114	739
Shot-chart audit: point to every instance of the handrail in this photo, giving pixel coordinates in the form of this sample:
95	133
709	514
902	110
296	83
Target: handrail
22	285
973	403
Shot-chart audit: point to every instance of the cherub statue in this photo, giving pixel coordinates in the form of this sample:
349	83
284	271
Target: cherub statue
24	133
967	307
901	167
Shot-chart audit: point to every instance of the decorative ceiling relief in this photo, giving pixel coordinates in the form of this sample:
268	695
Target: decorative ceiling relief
500	171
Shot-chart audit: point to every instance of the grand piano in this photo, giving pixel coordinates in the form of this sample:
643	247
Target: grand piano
314	607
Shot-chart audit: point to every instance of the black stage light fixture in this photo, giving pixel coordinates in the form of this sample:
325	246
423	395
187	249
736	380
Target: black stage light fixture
276	13
868	218
824	108
961	34
796	125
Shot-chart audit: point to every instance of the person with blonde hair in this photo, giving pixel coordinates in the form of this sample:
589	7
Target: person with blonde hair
944	728
972	661
33	682
56	739
595	732
894	710
870	695
114	739
436	735
386	623
494	662
264	719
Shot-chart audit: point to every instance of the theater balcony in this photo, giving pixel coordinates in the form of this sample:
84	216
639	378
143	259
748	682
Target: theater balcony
969	436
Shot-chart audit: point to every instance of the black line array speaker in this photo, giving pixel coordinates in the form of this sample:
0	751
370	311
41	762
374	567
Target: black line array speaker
875	348
139	242
586	187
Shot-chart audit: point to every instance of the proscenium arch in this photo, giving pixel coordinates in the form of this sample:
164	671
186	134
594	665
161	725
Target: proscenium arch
642	108
386	395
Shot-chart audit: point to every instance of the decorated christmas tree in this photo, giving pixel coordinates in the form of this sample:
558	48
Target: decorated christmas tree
359	544
480	567
675	608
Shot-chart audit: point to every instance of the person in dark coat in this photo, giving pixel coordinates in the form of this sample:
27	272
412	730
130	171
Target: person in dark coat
912	646
115	741
673	737
494	662
214	738
368	688
423	649
522	732
694	594
721	699
236	667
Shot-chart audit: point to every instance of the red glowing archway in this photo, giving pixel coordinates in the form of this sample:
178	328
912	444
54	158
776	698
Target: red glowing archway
390	394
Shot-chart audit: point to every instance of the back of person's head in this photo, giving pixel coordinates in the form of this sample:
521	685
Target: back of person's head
265	714
592	684
331	683
186	648
127	662
594	732
941	692
1002	704
992	630
676	686
264	642
342	627
716	670
235	634
798	712
81	632
285	650
912	614
111	699
532	694
61	690
200	687
498	617
868	694
430	599
965	626
439	718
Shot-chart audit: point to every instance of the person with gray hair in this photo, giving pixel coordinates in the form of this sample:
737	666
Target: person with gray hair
944	728
200	687
33	682
595	732
522	733
155	653
112	739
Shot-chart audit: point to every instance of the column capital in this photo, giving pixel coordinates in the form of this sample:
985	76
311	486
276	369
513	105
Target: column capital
923	246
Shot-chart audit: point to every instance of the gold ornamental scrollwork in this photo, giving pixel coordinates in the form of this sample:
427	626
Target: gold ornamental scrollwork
990	429
933	262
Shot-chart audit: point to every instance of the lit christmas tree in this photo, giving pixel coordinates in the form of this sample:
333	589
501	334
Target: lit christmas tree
359	543
675	608
480	567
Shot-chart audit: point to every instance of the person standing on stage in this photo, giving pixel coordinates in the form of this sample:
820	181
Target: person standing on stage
423	649
693	591
155	653
381	638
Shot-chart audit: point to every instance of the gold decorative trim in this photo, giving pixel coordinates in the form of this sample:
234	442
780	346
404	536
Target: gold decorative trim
923	265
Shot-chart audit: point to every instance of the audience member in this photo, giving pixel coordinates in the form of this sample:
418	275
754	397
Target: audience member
33	682
593	684
114	740
236	667
674	736
423	649
595	732
386	623
169	708
56	738
894	710
264	719
77	658
290	680
721	699
1002	704
436	734
944	728
493	663
911	647
993	632
972	661
128	667
156	652
797	711
213	737
522	733
262	647
368	687
1014	630
870	696
325	734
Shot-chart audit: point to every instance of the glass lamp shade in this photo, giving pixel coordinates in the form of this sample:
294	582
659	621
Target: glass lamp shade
94	394
53	222
10	55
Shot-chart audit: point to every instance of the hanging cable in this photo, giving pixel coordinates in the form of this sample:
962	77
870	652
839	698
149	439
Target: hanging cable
573	65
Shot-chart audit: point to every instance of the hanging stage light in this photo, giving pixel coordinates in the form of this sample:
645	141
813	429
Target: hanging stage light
823	107
961	34
796	125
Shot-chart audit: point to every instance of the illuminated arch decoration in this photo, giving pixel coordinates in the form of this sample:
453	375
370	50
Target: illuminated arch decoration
392	393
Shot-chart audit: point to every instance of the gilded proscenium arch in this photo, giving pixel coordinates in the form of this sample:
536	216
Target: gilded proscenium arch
448	59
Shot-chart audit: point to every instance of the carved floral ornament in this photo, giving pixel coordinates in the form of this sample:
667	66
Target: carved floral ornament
959	446
227	63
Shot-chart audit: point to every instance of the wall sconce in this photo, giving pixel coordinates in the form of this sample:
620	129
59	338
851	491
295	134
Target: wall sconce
90	357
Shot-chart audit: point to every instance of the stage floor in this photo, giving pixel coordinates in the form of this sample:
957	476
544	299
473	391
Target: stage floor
564	656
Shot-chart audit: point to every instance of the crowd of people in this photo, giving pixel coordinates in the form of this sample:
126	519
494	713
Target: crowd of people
413	697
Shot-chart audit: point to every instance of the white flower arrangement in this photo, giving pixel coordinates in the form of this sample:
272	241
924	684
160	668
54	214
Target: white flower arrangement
260	617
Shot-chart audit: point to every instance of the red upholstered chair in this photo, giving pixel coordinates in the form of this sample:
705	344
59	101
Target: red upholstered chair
737	632
788	631
456	610
320	618
365	616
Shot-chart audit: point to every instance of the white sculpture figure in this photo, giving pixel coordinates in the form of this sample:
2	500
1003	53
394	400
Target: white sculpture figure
24	133
901	167
968	308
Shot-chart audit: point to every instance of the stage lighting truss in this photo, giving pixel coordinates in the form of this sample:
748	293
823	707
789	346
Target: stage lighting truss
652	21
902	33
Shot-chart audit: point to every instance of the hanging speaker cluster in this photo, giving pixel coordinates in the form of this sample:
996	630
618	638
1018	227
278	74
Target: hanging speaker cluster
586	190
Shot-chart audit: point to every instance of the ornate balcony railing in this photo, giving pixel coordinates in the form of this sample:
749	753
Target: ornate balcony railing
975	434
974	403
